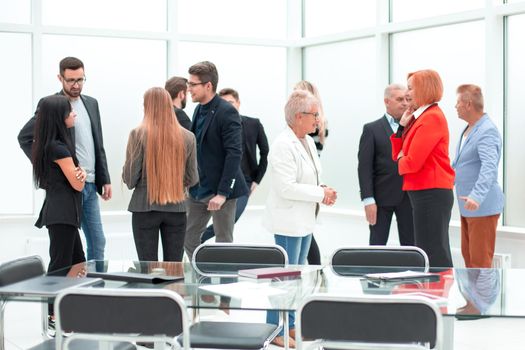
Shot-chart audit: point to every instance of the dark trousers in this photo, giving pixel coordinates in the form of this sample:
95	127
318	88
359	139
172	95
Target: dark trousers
405	223
431	210
146	227
65	247
314	255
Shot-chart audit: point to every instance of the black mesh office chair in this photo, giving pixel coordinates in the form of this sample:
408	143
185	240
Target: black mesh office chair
338	322
118	317
15	271
209	260
353	261
226	259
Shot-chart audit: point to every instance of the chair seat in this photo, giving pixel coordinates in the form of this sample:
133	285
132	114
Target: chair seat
80	344
231	335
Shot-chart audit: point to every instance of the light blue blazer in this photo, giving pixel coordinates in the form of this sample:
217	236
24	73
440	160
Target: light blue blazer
476	166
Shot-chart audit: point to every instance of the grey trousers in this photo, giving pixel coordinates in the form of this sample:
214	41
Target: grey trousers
198	217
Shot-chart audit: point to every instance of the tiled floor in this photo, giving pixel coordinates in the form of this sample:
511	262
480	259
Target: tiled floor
23	330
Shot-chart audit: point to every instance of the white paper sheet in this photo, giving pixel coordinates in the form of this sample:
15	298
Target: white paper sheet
243	289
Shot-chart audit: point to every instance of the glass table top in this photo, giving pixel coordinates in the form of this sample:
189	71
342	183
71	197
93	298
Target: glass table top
458	292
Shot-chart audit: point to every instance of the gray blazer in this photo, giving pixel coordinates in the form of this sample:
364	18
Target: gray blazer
134	174
476	166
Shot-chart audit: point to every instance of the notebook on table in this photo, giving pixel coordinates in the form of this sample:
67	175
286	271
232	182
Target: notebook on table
135	277
270	272
46	286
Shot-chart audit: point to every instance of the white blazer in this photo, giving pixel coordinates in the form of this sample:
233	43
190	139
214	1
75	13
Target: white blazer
295	187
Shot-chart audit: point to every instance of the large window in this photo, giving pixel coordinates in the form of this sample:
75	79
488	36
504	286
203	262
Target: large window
403	10
345	74
118	80
349	48
257	73
16	189
335	16
115	14
515	142
15	11
239	18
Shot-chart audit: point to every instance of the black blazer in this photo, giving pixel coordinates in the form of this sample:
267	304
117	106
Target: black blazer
220	146
253	137
63	204
183	118
378	174
26	136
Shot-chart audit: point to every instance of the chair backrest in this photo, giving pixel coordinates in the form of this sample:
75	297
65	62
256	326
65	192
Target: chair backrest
343	321
226	259
370	259
21	269
122	314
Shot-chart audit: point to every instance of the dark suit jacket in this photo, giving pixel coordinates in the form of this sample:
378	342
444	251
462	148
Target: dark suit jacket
183	118
221	149
26	136
253	137
378	174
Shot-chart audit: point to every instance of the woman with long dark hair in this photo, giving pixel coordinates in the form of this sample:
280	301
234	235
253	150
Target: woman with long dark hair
160	165
56	170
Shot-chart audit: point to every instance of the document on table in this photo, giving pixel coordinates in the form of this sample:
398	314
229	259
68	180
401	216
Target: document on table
243	289
400	276
441	301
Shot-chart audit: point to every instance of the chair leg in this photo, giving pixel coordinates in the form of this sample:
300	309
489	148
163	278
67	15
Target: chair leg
2	330
44	322
286	330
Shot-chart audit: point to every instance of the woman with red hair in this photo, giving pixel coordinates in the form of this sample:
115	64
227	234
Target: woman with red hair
420	147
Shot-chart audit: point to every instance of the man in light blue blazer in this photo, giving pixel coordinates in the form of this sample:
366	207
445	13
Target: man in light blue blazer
480	197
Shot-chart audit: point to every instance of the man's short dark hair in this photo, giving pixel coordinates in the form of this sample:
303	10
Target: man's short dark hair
174	85
229	91
72	63
207	72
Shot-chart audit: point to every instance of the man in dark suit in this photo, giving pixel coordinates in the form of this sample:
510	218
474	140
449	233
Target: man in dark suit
177	87
217	128
87	136
253	136
379	180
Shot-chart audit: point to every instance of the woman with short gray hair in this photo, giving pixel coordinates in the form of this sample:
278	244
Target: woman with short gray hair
296	188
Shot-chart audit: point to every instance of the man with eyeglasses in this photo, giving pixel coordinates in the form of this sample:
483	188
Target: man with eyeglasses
87	136
217	128
178	89
379	179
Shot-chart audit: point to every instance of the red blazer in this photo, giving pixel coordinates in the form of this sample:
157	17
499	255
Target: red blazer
425	163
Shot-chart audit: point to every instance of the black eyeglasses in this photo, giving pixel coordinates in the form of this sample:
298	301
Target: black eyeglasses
316	114
191	84
71	82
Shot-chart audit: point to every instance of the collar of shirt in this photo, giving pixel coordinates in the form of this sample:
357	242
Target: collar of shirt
420	110
393	123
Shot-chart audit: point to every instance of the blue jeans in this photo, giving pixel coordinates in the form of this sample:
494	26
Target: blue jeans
239	209
92	224
297	249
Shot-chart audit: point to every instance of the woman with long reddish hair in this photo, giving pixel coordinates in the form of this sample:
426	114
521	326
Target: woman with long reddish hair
160	165
420	147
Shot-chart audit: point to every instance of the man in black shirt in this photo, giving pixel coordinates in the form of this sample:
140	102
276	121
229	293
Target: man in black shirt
177	88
